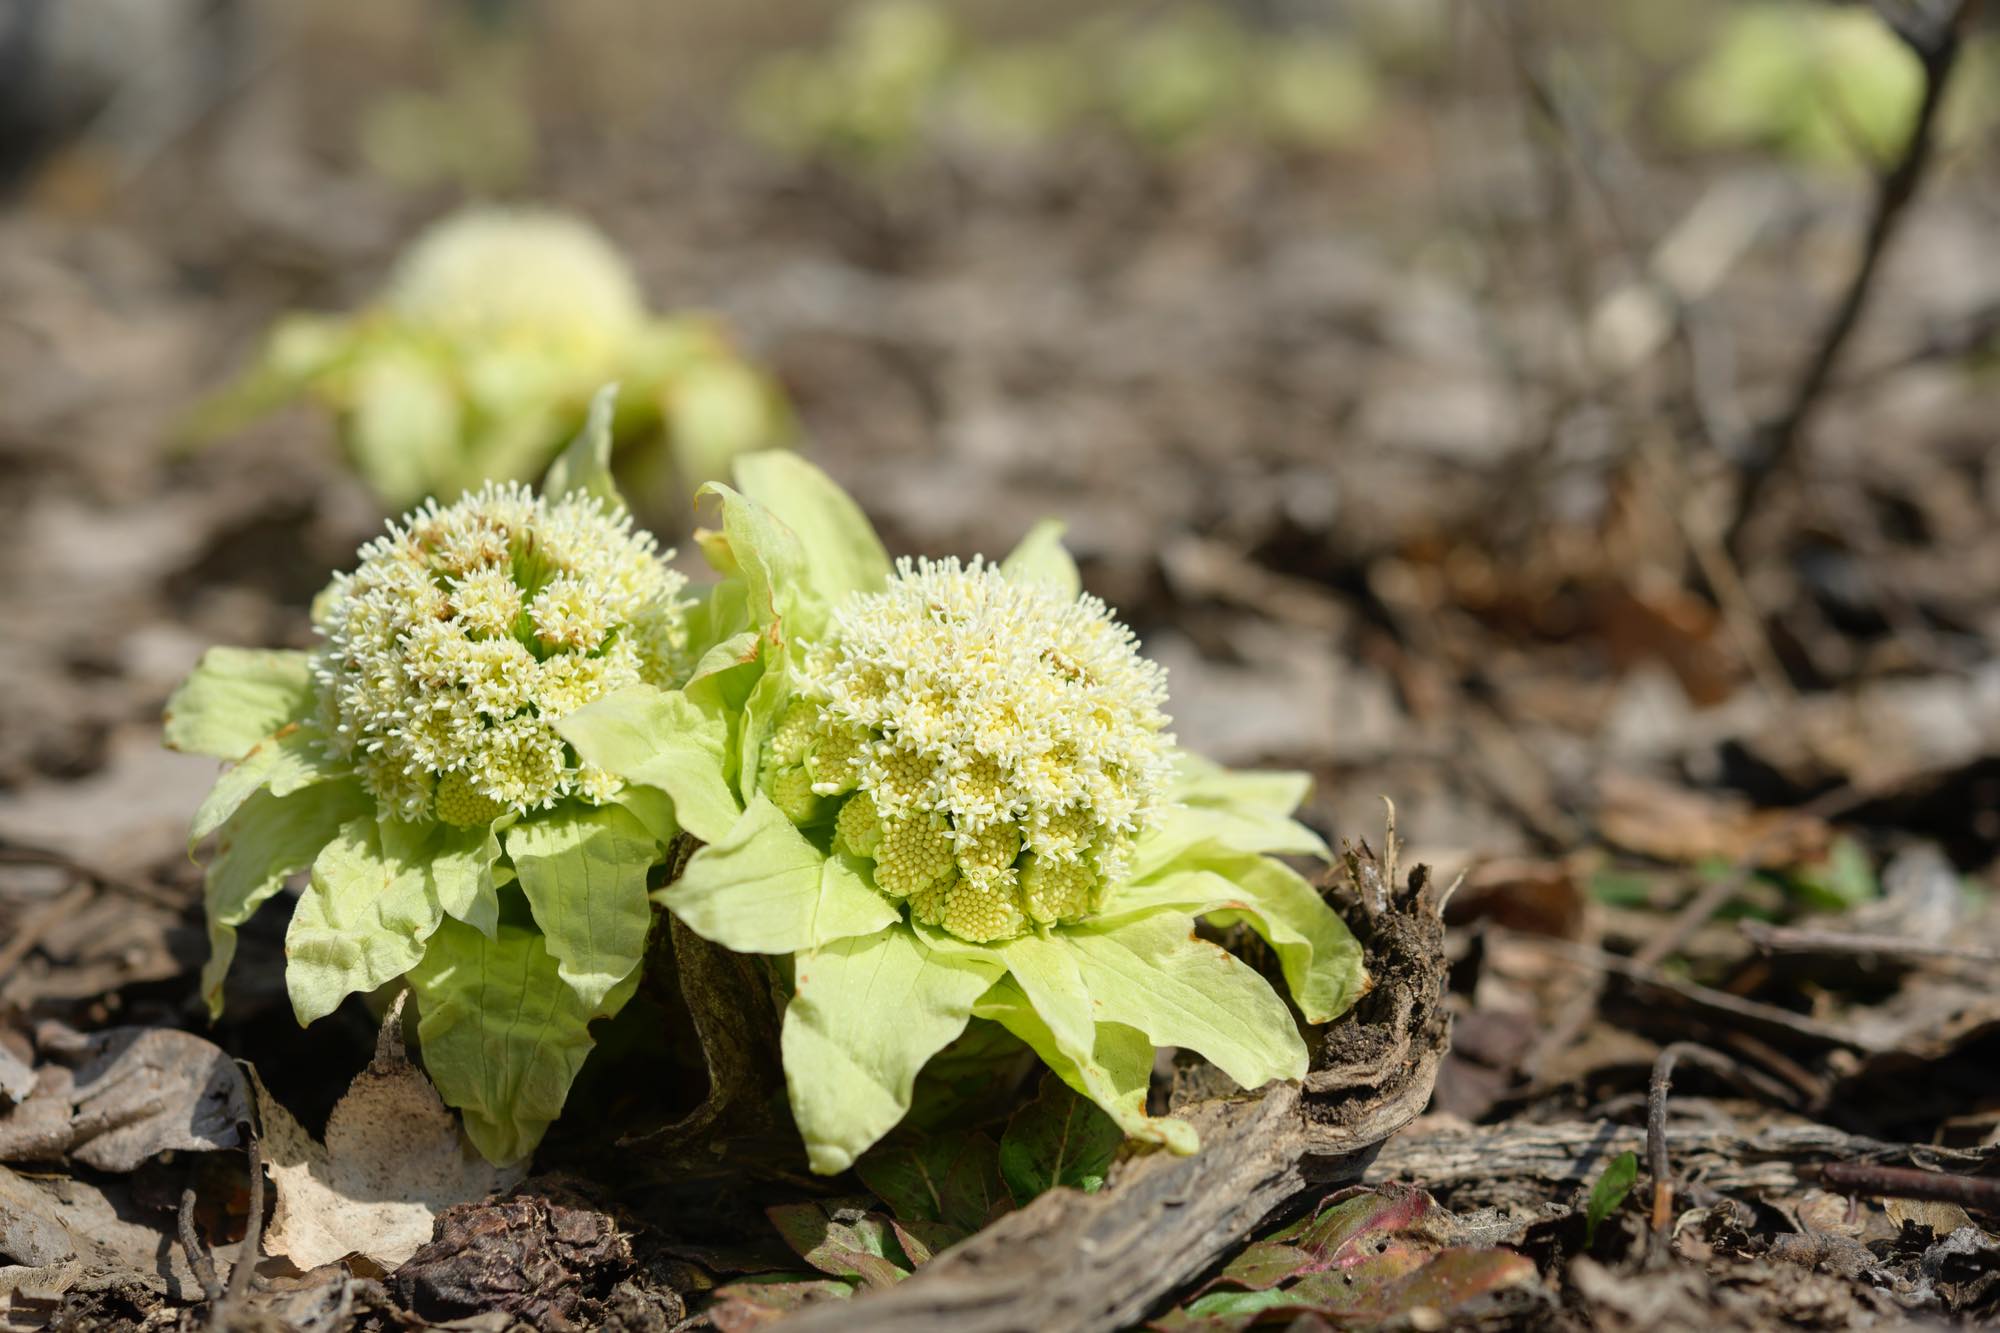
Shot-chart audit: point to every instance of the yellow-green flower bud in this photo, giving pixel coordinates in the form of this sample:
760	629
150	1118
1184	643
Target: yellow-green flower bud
858	828
914	855
457	803
790	789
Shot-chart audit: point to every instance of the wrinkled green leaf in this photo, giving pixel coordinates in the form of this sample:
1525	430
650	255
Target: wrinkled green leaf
1058	1139
291	760
235	697
583	869
764	889
661	739
268	839
842	553
1153	974
1323	963
362	921
459	861
865	1015
503	1036
951	1178
1040	558
843	1242
1610	1190
1114	1076
585	465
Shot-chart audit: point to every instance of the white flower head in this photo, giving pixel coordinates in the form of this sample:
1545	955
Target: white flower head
996	746
519	274
469	628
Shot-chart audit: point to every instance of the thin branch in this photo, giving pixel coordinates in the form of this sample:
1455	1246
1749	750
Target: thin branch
1909	1182
1936	49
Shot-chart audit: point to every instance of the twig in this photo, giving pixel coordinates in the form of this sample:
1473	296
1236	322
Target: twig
38	923
1844	943
1656	1112
1908	1182
1937	50
253	1241
198	1255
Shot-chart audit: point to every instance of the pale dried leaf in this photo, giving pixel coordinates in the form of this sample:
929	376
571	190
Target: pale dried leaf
393	1159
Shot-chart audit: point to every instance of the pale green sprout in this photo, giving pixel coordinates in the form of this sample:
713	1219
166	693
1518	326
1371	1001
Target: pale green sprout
947	792
1830	85
900	72
456	843
480	356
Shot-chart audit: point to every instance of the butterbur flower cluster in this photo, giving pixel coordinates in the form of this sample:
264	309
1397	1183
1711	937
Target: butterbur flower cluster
468	629
480	356
455	842
992	746
946	794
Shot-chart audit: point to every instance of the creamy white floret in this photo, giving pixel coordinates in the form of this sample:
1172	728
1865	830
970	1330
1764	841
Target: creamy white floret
468	628
983	726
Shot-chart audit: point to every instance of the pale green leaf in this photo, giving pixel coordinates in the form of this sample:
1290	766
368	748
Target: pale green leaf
718	408
760	712
235	697
268	839
585	465
291	760
1153	974
865	1015
661	739
761	550
1044	967
460	862
503	1036
763	888
361	922
583	869
1041	558
1246	810
843	554
404	426
1322	961
1114	1075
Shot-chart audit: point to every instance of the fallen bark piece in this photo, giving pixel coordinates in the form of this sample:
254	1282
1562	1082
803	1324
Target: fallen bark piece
393	1159
1086	1262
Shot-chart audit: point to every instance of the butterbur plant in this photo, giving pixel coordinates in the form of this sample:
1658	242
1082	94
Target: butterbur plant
412	761
943	792
479	359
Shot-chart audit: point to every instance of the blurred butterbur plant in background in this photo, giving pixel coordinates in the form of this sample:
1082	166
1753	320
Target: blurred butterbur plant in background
482	353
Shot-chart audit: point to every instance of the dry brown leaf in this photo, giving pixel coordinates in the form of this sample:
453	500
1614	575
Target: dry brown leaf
1675	824
124	1095
394	1158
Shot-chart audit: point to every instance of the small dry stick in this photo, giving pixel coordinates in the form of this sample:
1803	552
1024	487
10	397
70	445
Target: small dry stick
198	1256
1656	1113
1909	1182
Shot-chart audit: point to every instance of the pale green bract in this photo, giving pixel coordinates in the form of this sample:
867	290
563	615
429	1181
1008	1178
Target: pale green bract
390	767
480	356
795	733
